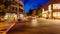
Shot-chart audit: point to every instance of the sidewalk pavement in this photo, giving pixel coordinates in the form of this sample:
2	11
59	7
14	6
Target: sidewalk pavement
5	27
49	19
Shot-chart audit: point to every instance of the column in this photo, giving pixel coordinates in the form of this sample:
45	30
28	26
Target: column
52	11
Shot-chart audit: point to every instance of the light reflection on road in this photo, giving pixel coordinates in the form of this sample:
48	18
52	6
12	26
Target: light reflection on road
34	22
39	26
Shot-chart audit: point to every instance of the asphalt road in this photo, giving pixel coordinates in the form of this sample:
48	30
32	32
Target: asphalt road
37	26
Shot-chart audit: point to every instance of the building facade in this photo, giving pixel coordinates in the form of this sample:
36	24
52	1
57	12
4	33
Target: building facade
51	9
15	6
14	9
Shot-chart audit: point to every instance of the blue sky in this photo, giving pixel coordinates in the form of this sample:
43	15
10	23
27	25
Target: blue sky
33	4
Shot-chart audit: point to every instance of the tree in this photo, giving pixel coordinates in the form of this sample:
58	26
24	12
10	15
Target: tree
1	1
3	7
2	13
30	12
39	13
7	3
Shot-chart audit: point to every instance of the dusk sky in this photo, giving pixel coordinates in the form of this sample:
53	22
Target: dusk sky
33	4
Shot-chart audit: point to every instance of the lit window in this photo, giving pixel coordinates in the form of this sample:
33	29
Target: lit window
44	15
55	14
56	6
49	7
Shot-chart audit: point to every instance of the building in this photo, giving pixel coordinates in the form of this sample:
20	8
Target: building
51	9
15	7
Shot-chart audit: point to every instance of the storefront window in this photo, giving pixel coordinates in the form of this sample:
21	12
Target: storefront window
58	14
44	15
6	16
10	16
49	15
55	14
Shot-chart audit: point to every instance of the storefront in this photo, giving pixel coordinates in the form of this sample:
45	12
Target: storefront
56	11
52	13
45	14
56	14
10	16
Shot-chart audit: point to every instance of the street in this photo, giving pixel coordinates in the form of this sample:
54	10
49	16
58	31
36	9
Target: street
41	26
29	16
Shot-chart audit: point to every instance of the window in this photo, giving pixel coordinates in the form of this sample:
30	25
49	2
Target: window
12	8
49	7
16	9
20	10
56	6
20	5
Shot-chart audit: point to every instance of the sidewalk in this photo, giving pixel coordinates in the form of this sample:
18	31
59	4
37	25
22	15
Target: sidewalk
5	27
49	19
